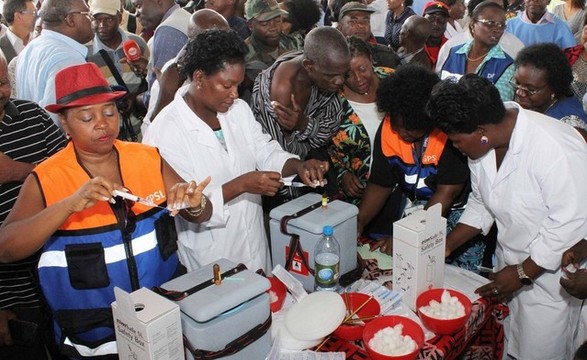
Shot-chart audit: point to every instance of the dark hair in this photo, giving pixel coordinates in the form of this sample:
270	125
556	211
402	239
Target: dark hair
303	14
55	11
408	3
403	95
449	3
359	47
471	5
12	6
461	107
210	50
482	6
325	43
581	353
580	4
335	9
551	59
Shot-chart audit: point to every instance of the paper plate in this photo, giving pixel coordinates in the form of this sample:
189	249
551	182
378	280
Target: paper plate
286	341
316	316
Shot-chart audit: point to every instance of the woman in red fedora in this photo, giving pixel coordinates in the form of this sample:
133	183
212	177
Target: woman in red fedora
98	210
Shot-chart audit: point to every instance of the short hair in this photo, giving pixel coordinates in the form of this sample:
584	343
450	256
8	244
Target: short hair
55	11
12	6
210	50
471	5
324	43
335	9
484	5
405	93
359	47
580	4
449	3
551	59
461	107
303	14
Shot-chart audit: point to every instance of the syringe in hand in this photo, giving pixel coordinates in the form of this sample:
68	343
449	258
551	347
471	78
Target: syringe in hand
143	201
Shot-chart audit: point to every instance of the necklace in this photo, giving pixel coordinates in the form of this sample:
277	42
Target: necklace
478	58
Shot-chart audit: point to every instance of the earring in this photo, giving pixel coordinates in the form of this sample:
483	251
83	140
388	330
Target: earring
484	140
551	96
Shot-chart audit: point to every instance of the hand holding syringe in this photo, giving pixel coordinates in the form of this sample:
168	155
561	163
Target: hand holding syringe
144	201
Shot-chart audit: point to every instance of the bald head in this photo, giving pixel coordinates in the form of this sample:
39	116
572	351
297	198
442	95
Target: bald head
206	19
417	29
324	43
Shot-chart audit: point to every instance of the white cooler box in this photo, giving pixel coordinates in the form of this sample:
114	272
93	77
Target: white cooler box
340	215
217	315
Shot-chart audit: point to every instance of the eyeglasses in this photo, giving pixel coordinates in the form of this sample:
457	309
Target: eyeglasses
34	12
85	13
529	92
493	24
106	20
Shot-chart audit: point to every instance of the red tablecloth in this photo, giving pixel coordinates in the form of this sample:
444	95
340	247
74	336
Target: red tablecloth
480	339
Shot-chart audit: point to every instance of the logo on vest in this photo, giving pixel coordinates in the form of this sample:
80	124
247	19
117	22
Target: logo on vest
156	196
429	158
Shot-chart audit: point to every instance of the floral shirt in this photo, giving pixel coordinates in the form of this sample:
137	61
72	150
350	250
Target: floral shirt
351	145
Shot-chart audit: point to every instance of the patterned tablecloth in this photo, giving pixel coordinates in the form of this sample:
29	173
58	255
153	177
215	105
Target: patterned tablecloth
480	339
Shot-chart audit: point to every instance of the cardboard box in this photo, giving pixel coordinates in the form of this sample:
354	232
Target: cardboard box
340	215
418	253
147	326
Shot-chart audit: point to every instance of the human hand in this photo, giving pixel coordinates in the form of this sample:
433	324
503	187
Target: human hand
290	119
575	283
186	195
96	189
575	255
351	185
505	283
140	67
5	316
261	182
312	172
170	79
385	245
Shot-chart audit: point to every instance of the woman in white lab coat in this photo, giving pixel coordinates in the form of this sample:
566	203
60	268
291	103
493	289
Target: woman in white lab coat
528	174
208	130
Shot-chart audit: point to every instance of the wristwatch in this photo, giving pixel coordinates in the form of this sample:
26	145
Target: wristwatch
524	279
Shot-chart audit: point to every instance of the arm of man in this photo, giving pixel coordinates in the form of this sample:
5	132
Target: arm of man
11	170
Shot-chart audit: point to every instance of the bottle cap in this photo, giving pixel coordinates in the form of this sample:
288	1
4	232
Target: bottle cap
327	230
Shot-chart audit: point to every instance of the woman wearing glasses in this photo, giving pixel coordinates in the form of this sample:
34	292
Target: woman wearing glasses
528	176
542	82
90	238
483	55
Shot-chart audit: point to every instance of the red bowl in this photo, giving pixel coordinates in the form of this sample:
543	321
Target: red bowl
280	290
443	326
411	328
352	302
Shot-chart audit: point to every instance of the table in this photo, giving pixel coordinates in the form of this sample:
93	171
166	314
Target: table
480	339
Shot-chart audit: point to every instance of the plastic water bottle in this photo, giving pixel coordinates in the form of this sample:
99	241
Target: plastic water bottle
326	262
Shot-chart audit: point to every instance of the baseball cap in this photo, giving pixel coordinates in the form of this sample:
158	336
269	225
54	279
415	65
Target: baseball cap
263	10
354	6
110	7
435	7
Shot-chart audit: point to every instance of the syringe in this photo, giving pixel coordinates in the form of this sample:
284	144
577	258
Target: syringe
143	201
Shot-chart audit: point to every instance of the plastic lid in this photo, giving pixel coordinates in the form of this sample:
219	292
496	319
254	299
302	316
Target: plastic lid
327	230
316	316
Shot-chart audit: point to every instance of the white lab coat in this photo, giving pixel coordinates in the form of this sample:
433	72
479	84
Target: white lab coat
236	229
537	199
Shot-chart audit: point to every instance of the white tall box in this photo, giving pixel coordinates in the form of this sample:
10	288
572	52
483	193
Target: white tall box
147	326
418	253
340	215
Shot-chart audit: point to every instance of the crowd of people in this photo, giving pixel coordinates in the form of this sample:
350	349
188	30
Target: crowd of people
201	109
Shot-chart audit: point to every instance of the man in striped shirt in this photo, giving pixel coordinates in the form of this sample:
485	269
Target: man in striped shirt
27	137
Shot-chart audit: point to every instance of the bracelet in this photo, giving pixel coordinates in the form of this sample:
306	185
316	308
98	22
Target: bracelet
200	209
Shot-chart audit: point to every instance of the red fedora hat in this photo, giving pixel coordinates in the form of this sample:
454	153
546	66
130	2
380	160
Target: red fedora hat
79	85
